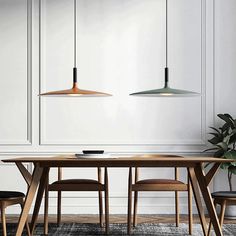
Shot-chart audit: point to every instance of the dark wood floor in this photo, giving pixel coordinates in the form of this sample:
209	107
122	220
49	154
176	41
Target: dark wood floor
116	219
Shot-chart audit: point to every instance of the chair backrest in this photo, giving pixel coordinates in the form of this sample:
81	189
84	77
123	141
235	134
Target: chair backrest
176	169
176	174
59	174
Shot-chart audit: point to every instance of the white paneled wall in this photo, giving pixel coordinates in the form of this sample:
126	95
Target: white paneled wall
121	49
15	82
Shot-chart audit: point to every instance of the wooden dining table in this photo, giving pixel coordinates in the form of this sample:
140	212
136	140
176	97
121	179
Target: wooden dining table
200	180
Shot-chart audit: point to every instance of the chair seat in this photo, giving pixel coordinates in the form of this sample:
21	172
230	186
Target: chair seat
76	181
159	185
10	194
159	181
76	185
224	194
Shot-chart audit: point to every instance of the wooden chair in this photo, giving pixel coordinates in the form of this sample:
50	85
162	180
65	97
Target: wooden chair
158	185
223	198
8	198
78	185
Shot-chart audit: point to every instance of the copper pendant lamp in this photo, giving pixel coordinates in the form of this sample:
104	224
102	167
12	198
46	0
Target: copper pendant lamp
166	91
75	91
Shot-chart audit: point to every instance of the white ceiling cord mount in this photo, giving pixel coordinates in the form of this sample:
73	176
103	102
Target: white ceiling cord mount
166	91
75	91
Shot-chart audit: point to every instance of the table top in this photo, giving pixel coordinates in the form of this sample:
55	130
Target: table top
148	160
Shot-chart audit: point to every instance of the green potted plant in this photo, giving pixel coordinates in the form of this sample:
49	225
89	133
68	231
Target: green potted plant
224	145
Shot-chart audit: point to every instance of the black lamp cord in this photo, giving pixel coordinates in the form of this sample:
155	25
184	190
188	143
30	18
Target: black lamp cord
166	68
75	43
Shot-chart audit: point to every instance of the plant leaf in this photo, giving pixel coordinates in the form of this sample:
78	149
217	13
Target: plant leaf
225	166
233	131
215	140
225	127
232	139
216	129
226	139
211	149
215	134
228	119
223	145
230	154
228	115
219	153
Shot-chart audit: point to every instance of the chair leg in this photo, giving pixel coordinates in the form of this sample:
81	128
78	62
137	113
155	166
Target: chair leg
129	201
190	208
222	212
106	202
177	208
3	216
135	208
46	196
100	208
58	208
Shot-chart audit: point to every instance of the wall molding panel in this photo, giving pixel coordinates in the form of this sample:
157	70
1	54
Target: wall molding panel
28	140
190	144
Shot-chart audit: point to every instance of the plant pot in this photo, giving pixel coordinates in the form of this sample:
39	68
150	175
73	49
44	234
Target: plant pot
230	212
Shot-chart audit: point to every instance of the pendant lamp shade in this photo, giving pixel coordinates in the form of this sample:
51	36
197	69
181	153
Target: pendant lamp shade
75	91
166	91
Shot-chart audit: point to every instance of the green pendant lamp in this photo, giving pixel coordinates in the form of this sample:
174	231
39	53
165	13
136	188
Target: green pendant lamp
75	91
166	91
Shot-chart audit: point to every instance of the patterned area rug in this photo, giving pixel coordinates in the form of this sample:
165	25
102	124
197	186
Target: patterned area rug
120	229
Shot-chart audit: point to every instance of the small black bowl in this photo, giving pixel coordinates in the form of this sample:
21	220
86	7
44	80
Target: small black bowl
93	151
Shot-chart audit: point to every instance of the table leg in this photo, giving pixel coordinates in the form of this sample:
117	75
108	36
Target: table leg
208	199
29	199
46	208
106	201
129	202
38	201
197	197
